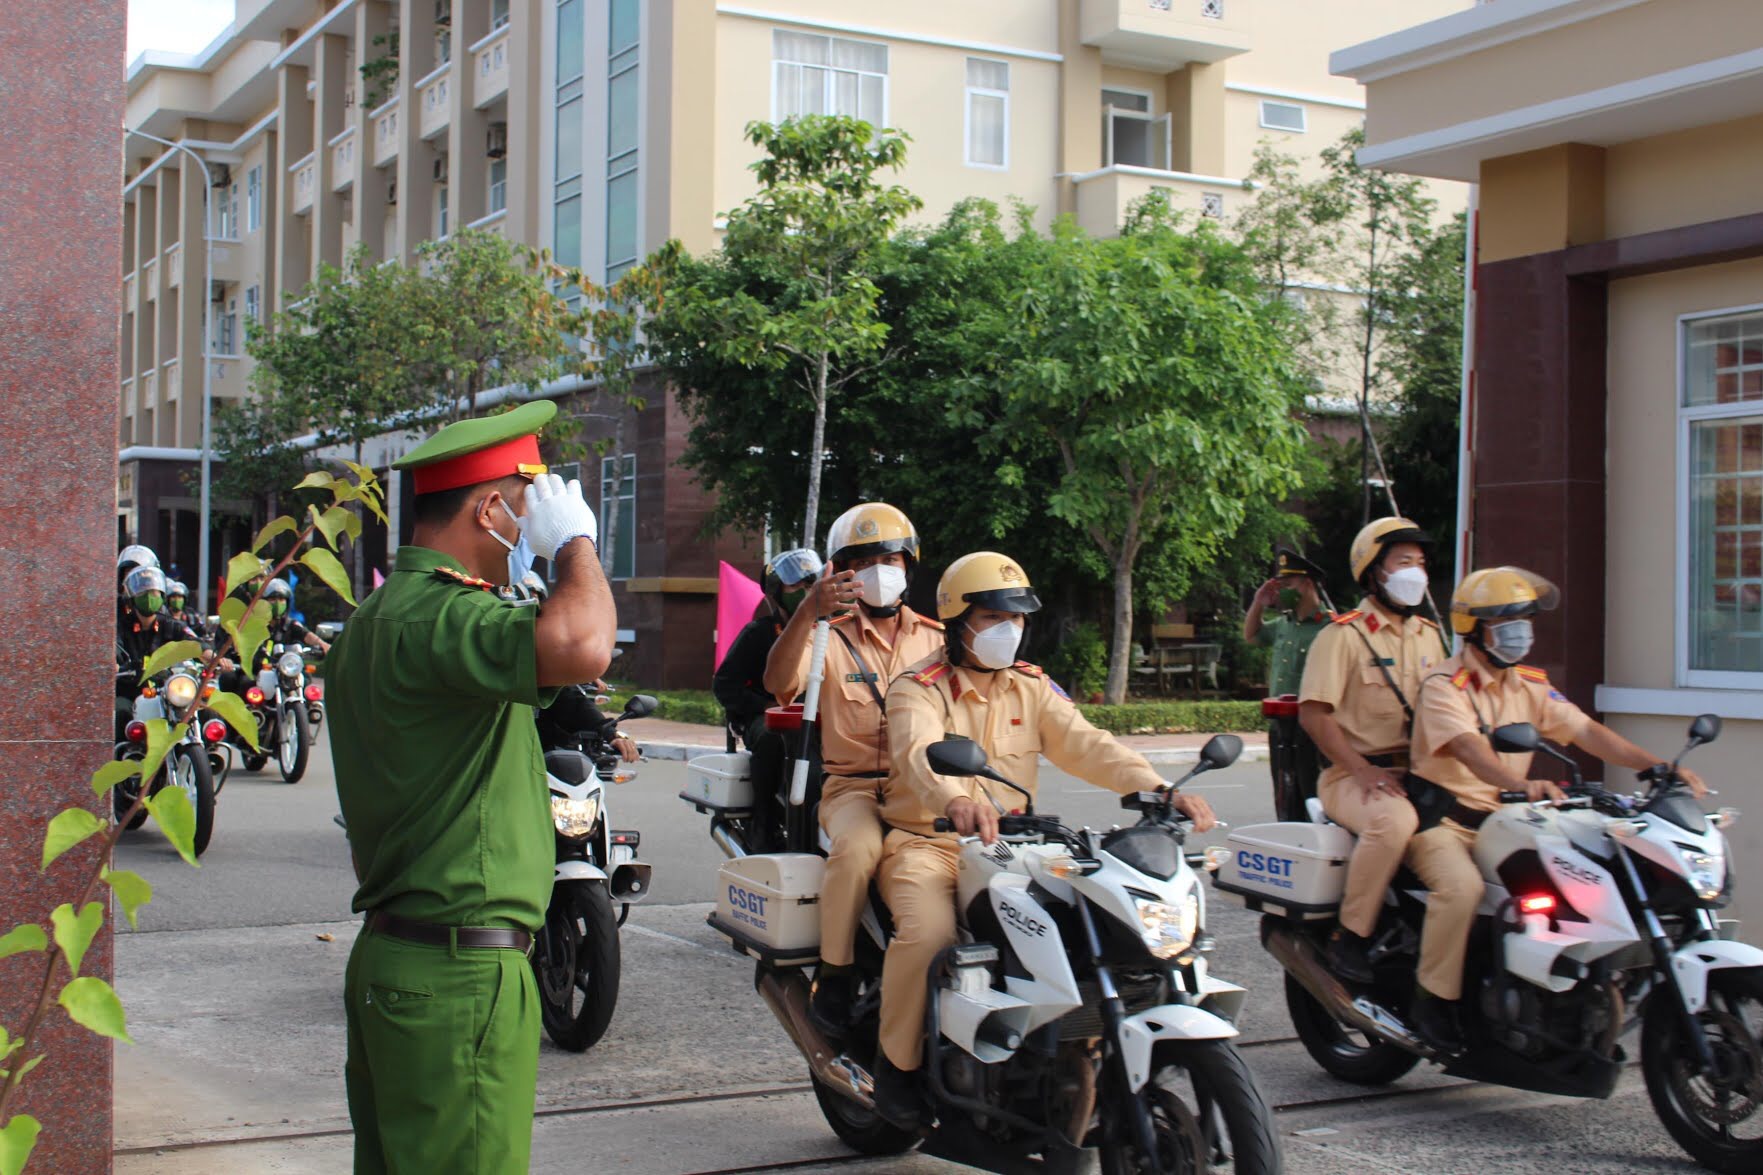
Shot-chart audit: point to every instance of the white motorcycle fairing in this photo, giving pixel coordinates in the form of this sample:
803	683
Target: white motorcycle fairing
1692	963
1035	938
577	871
1140	1034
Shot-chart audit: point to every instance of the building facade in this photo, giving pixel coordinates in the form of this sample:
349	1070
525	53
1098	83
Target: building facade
601	128
1616	422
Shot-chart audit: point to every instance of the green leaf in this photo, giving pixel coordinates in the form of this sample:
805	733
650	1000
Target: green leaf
17	941
324	565
25	1071
171	810
131	889
233	711
232	610
74	932
93	1005
170	654
282	525
251	635
317	480
331	523
17	1138
241	569
161	737
113	773
67	829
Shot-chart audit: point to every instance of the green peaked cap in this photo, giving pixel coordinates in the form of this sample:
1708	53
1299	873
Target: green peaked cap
466	437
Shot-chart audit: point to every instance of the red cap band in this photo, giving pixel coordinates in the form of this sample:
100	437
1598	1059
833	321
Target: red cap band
503	460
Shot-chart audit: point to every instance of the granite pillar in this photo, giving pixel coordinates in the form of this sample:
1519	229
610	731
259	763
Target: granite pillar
60	294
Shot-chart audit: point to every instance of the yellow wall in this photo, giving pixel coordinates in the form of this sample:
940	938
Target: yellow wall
1646	188
1293	39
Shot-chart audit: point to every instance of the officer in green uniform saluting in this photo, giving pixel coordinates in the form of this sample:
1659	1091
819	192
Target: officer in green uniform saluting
442	785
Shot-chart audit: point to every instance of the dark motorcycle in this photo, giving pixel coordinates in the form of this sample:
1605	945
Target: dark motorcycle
289	708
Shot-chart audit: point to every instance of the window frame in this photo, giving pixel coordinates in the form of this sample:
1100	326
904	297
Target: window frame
968	94
1688	417
1303	127
626	525
1148	115
496	191
254	199
829	71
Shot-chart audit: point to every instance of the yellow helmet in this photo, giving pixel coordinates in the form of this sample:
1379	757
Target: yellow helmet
985	579
873	528
1496	593
1369	544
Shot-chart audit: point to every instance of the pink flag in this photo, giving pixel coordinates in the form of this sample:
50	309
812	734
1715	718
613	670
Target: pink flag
736	598
377	577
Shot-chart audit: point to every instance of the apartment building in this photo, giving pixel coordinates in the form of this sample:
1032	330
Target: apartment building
600	128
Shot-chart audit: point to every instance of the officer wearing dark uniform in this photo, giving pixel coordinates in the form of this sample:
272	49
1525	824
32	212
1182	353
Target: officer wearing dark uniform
146	626
177	597
441	782
739	684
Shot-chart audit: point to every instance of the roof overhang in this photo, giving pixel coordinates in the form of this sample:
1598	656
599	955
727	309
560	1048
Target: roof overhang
1462	33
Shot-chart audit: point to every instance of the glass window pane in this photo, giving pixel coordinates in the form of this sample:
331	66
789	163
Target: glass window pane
1726	545
985	129
845	94
568	237
621	113
1723	360
621	218
803	48
624	25
872	103
569	140
1122	100
863	55
987	75
1132	142
569	40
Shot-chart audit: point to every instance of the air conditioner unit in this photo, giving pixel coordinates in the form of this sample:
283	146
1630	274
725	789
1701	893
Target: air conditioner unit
217	293
220	175
443	13
498	146
440	172
392	192
348	99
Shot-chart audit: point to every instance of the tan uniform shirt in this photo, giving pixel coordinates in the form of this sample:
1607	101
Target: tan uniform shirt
1466	695
1025	717
1343	671
851	736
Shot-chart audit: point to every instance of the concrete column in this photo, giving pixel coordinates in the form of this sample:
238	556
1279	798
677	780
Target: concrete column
680	89
60	257
1540	201
1196	114
469	129
530	102
328	114
1080	105
416	59
294	137
192	300
372	19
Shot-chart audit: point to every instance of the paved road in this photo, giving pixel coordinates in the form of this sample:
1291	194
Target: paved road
233	981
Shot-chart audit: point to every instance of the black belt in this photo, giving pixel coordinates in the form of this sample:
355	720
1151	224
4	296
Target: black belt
1470	818
857	774
436	934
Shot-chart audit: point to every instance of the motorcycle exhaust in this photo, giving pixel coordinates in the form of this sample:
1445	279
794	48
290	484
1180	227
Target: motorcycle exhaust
725	840
1300	960
787	997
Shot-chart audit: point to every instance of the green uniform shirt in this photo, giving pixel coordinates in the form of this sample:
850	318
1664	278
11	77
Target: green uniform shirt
430	689
1291	644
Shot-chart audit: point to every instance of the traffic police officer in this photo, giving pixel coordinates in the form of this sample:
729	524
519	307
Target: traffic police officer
1296	587
871	552
975	687
1355	703
1460	703
442	787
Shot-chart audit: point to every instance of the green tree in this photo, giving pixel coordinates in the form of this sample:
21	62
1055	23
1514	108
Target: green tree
1292	232
792	293
1149	364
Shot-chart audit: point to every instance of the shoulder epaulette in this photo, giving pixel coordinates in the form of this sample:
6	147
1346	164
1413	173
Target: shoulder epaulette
1460	679
932	675
929	623
1428	621
843	618
1030	670
1347	617
462	578
1532	673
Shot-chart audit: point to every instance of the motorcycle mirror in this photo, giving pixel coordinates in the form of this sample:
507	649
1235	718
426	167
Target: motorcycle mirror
1221	750
1705	729
956	756
1516	738
640	706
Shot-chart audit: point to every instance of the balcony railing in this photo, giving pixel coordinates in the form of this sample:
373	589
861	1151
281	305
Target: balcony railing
149	391
1104	197
385	134
174	266
129	290
437	107
168	372
1167	34
150	279
343	161
489	68
304	174
496	222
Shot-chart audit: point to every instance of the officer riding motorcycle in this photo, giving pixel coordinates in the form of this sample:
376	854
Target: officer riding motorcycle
177	600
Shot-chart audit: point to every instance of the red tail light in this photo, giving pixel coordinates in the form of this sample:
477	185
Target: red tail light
1541	903
254	696
314	693
1284	706
214	730
136	731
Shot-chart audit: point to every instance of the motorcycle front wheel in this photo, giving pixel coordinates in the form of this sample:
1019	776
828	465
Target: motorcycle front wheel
187	768
1717	1115
577	964
293	745
1192	1079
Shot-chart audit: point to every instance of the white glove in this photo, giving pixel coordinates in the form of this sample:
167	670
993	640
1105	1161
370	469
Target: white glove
555	514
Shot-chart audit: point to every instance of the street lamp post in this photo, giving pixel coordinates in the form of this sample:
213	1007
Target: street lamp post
202	540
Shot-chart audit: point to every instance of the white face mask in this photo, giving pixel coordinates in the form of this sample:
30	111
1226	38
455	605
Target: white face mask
1511	641
881	585
995	647
1406	586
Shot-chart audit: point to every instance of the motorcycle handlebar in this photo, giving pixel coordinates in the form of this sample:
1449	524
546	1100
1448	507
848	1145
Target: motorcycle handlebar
943	824
1514	797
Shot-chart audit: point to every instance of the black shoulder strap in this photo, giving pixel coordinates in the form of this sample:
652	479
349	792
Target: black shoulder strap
868	677
1388	678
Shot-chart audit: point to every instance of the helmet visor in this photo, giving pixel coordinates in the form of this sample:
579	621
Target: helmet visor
797	566
1020	600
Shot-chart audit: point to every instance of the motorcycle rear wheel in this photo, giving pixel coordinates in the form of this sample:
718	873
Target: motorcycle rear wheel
1216	1070
122	797
577	965
1691	1103
1342	1052
293	745
864	1131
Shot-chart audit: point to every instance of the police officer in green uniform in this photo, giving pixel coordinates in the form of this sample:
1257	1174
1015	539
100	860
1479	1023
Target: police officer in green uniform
442	786
1296	590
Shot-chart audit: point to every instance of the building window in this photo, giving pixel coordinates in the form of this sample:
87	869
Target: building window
624	553
1131	135
254	199
1721	630
226	213
566	197
623	122
253	304
440	210
443	47
828	75
988	113
226	327
498	14
1284	116
498	185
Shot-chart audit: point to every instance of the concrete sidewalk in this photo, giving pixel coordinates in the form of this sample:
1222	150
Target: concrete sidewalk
661	739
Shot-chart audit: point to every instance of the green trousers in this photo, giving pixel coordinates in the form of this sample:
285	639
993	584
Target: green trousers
443	1058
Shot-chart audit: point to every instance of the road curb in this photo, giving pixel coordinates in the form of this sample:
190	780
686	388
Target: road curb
1158	756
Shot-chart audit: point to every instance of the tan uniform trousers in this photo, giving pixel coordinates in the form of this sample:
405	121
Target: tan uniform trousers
850	812
1384	825
1441	857
918	880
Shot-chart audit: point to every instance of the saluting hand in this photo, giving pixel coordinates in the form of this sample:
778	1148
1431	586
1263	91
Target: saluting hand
555	514
1268	593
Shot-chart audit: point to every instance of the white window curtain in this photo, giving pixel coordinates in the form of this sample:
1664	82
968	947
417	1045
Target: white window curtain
828	75
988	113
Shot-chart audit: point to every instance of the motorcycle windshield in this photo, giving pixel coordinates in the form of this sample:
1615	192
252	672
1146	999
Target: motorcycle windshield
1152	851
1682	810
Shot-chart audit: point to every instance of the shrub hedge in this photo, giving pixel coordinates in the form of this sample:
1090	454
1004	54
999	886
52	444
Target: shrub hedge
1177	717
696	706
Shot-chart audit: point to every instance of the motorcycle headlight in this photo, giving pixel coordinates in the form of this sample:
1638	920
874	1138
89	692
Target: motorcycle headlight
1168	930
290	664
1706	871
575	818
180	691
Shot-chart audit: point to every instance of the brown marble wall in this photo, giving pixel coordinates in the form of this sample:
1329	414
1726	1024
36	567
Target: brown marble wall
58	415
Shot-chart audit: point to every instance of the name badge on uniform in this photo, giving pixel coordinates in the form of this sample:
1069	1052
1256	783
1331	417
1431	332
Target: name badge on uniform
861	677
